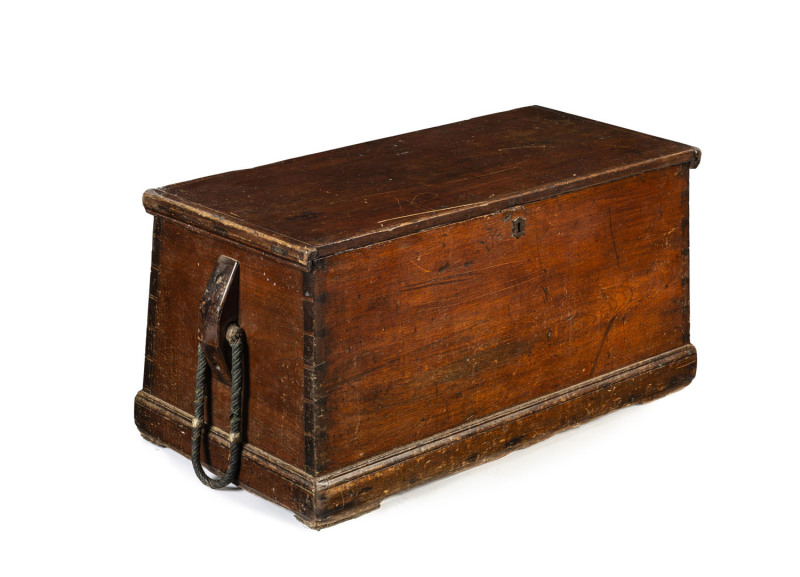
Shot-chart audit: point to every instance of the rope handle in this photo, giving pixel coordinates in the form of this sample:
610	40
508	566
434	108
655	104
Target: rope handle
235	336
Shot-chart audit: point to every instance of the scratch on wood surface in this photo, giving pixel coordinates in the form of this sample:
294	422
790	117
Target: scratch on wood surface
418	266
501	264
525	146
413	201
483	174
613	240
541	266
449	280
667	241
416	214
602	343
449	209
531	277
358	427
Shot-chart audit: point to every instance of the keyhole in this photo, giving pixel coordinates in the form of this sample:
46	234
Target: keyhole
518	227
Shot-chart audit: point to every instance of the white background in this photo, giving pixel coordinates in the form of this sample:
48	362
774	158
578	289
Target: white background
103	100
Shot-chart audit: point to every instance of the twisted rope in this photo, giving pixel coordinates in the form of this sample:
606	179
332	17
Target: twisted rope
235	338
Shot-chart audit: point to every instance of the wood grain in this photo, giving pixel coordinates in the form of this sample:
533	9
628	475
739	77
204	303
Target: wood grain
261	473
452	324
361	488
417	305
271	298
321	501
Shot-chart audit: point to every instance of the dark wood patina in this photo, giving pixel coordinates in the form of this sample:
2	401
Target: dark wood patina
424	303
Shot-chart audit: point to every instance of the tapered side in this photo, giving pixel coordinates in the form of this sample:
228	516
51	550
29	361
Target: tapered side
270	312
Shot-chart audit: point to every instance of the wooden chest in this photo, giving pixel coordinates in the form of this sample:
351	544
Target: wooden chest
416	305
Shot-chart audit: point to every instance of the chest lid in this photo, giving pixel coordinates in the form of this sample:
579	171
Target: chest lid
355	196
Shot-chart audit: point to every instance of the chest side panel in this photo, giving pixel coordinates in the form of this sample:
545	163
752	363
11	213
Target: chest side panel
451	324
271	314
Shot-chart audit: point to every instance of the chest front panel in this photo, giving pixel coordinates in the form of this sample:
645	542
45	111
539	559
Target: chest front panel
455	323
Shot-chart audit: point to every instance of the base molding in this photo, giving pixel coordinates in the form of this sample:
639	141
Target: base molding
357	489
